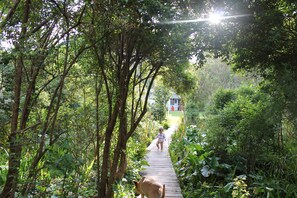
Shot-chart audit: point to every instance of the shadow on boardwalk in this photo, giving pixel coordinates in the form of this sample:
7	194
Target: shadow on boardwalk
160	166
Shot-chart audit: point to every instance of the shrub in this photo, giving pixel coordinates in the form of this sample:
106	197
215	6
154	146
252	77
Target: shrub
243	135
244	127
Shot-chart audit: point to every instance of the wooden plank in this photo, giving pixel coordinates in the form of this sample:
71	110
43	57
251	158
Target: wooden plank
160	166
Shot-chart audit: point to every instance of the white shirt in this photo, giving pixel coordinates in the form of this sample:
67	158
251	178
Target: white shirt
161	137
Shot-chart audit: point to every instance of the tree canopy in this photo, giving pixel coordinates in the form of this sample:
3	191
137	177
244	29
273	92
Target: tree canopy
81	58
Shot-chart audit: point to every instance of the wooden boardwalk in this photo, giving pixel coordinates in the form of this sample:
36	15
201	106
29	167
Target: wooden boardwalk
161	168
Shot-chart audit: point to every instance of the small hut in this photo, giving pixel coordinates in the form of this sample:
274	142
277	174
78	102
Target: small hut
174	103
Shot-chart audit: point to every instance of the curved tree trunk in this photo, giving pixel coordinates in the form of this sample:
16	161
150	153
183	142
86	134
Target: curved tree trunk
15	147
106	153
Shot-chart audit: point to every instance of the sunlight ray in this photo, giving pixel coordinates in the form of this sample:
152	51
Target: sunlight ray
203	19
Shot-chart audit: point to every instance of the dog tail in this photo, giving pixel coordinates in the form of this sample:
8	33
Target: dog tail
163	194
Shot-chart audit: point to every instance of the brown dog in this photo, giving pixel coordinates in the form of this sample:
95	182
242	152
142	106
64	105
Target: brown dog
149	188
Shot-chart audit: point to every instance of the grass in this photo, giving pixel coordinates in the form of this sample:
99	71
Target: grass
174	117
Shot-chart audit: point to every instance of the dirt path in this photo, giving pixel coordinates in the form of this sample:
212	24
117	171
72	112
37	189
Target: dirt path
161	168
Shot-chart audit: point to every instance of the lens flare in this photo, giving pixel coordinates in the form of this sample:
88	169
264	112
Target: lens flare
213	18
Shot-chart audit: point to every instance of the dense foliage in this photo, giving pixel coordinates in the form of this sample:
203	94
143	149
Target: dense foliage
158	106
215	75
239	139
245	142
74	87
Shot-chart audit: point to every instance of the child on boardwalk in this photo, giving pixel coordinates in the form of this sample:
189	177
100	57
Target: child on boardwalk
161	138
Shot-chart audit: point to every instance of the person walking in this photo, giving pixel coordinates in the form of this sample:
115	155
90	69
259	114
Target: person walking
160	139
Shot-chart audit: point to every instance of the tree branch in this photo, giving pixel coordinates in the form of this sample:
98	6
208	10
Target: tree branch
10	13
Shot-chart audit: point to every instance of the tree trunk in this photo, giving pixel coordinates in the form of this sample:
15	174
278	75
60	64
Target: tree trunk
119	151
106	152
122	166
41	150
123	83
98	87
15	148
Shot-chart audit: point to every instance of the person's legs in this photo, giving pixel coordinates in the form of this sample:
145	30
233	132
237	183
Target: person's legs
161	146
157	144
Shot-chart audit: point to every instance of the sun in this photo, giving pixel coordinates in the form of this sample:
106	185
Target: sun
215	18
